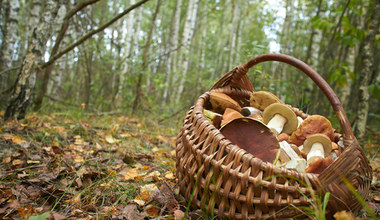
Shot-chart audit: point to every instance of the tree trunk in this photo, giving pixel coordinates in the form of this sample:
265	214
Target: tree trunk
22	95
309	58
234	33
188	33
9	38
138	93
172	53
128	43
367	66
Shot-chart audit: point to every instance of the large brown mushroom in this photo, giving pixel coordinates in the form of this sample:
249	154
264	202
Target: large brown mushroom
220	101
313	124
280	118
262	99
253	136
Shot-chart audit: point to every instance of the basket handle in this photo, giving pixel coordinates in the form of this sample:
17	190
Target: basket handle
238	76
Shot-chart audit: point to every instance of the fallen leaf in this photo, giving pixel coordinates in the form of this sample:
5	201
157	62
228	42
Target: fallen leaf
27	211
343	215
178	214
152	210
110	139
17	162
376	198
130	212
7	160
57	216
131	174
146	194
169	175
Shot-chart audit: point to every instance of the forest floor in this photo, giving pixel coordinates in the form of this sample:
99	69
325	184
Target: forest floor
100	167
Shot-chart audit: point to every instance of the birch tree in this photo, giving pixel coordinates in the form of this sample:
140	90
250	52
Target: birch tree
26	79
9	38
367	66
189	29
172	53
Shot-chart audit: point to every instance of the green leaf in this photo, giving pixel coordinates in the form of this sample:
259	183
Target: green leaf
374	90
40	217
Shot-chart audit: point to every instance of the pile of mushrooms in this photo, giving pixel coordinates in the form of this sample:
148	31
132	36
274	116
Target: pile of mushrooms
271	131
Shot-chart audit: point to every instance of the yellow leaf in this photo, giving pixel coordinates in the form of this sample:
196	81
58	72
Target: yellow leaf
17	162
169	175
146	193
78	159
343	215
110	139
131	174
18	140
112	172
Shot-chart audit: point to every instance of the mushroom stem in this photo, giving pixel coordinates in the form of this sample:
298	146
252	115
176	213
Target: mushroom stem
316	151
277	123
247	111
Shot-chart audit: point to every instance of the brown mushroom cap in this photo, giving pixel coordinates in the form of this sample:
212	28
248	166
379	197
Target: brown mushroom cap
229	115
318	138
220	101
319	165
286	112
313	124
262	99
253	136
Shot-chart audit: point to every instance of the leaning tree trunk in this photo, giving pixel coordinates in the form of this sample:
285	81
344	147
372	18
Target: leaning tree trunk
23	91
367	66
9	38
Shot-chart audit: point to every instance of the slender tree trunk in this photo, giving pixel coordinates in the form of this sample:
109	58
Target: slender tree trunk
367	66
172	53
188	33
233	34
9	38
22	95
138	93
309	53
128	43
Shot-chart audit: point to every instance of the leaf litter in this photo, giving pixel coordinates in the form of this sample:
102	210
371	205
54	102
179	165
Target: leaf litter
96	167
100	167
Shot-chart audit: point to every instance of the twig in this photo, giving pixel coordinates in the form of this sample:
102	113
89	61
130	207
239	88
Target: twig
10	69
24	168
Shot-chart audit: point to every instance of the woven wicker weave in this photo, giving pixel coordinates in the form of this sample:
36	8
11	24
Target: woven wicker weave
226	181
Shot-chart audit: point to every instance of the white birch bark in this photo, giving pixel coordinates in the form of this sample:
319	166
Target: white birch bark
127	53
22	96
188	33
56	76
234	33
367	55
9	40
171	64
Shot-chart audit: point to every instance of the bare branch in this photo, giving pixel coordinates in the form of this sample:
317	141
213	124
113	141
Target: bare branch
91	33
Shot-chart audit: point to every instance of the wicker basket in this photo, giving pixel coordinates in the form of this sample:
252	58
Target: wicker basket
226	181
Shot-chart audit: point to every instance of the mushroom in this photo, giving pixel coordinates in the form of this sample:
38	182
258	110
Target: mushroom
317	146
253	136
319	165
300	120
229	115
280	118
313	124
220	101
213	117
283	137
292	159
247	111
262	99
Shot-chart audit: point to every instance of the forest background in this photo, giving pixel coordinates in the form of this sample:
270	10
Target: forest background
153	58
160	57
